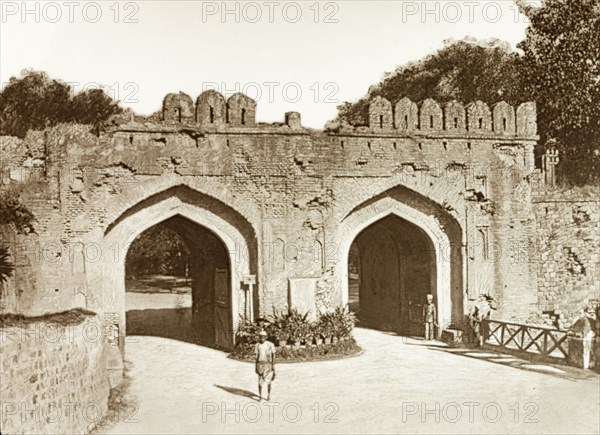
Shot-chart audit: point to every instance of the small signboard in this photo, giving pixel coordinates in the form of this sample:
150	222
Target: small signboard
250	279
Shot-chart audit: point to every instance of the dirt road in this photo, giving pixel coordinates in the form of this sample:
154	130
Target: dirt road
398	385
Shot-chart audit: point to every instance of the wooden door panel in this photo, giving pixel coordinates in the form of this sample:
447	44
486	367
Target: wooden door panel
223	329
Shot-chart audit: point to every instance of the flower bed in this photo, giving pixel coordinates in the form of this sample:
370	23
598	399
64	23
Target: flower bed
298	339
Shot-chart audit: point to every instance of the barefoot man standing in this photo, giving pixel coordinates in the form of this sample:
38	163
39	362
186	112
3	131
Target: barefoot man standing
265	364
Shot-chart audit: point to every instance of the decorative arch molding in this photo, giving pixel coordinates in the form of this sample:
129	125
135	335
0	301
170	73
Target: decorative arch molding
420	184
116	206
448	286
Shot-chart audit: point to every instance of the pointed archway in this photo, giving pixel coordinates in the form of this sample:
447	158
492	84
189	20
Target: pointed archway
394	268
204	222
410	246
199	312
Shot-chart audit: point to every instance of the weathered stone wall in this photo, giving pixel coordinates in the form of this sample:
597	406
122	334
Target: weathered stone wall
566	253
54	376
286	201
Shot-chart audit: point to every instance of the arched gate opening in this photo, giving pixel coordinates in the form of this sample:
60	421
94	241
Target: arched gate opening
195	307
223	251
396	248
392	268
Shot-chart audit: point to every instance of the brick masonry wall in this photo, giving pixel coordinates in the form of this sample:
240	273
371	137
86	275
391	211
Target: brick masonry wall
284	190
53	377
567	253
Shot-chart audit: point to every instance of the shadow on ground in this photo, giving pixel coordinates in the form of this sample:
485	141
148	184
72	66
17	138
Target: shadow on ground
174	323
527	362
158	284
238	392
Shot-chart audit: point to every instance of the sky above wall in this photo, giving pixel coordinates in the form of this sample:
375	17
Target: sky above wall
303	56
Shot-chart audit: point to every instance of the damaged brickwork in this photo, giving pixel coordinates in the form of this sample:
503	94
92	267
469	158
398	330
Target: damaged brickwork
271	212
285	201
566	254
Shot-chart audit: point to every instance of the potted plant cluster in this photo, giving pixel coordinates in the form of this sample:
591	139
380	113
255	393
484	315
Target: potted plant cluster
317	332
344	319
298	338
293	329
298	327
326	327
278	327
247	332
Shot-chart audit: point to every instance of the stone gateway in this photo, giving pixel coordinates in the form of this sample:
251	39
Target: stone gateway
425	199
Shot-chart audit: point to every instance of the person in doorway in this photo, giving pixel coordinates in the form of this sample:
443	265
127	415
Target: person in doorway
429	317
265	364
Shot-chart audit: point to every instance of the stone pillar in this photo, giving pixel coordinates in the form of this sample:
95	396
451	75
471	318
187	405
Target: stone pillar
292	119
581	352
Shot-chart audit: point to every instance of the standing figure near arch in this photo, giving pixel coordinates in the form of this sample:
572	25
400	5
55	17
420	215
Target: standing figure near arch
265	364
429	317
481	310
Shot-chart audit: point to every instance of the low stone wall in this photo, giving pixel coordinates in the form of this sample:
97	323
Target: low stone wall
54	374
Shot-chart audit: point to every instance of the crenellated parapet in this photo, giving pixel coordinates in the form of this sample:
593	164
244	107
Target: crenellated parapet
380	114
455	116
407	115
241	110
211	110
503	118
479	117
452	117
526	119
404	117
178	108
430	115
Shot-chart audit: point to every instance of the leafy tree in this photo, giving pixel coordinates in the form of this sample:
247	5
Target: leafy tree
6	267
93	106
13	211
561	70
466	70
15	214
158	250
35	101
32	102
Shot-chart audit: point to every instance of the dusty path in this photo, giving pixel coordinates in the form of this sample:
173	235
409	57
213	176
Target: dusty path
398	385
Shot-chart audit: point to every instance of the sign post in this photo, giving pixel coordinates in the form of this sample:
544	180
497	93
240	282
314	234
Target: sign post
249	281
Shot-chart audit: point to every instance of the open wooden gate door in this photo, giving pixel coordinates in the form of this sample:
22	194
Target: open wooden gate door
223	324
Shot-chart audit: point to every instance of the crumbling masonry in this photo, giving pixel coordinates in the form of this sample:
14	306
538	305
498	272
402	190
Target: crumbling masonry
437	198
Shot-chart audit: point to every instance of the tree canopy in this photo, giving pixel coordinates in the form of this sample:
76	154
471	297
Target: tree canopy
13	213
559	69
35	101
466	70
158	250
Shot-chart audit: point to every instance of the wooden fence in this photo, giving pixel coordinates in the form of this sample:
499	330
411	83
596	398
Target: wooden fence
537	340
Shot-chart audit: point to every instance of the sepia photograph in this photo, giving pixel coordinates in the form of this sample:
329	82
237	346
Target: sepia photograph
300	217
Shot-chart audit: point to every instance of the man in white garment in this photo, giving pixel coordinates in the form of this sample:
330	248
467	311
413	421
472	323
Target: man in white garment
265	364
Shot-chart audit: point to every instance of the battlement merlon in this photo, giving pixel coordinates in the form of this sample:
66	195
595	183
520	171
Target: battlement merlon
212	113
452	118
